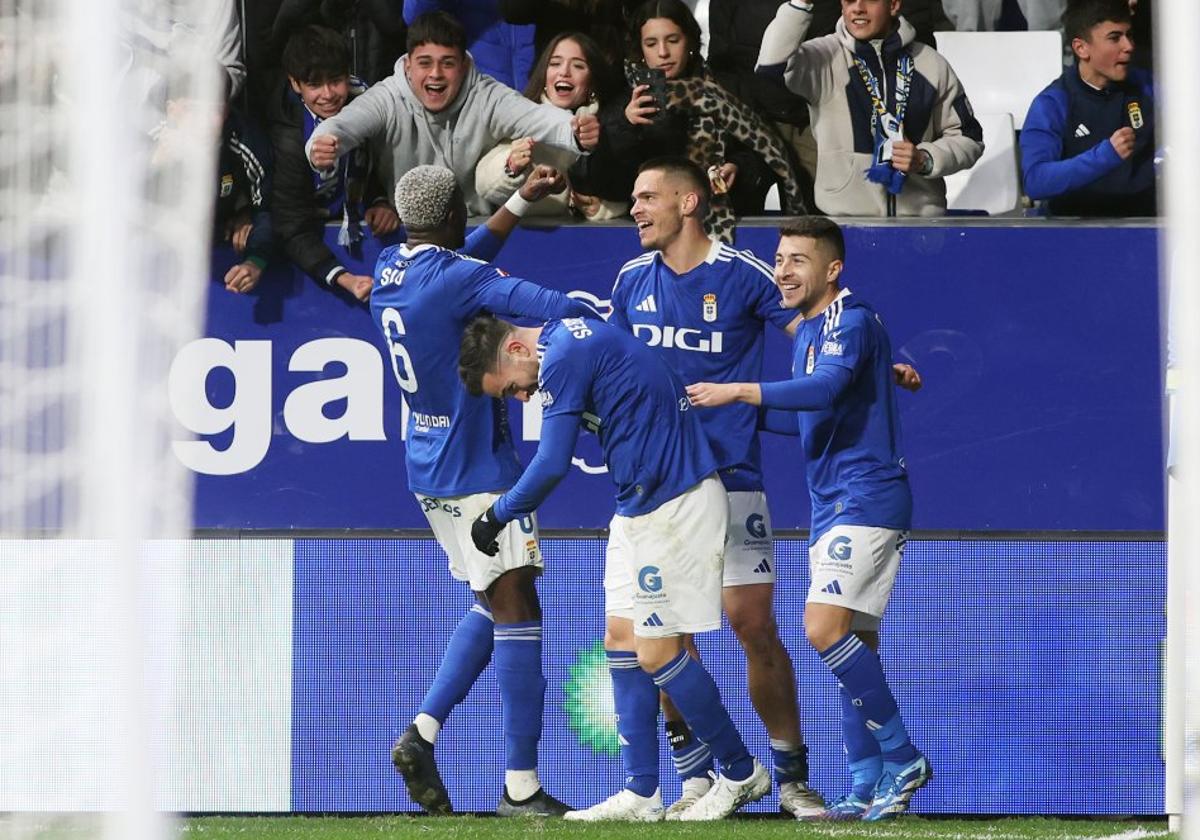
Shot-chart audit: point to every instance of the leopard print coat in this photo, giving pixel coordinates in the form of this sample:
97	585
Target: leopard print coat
714	116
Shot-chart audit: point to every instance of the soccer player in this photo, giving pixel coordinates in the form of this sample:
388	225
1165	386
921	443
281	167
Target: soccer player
666	540
849	426
703	307
460	456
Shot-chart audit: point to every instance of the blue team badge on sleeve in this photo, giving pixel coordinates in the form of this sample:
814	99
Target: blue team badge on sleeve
710	308
810	360
226	186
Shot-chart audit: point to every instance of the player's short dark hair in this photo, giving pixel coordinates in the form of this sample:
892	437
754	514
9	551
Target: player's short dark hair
316	54
440	28
1082	15
479	350
681	167
819	229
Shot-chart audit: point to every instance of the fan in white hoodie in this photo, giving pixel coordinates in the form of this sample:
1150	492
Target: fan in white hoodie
890	118
568	75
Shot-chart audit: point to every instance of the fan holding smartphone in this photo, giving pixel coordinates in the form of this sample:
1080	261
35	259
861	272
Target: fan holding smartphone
674	107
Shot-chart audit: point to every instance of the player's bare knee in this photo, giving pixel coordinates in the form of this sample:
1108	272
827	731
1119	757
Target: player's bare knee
513	597
820	635
824	624
618	634
756	632
823	629
651	658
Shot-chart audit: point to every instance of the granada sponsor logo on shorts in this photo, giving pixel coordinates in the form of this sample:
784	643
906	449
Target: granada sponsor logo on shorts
756	526
649	579
650	584
840	548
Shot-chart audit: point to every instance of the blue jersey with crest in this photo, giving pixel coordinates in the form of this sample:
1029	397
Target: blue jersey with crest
422	300
652	439
855	467
707	325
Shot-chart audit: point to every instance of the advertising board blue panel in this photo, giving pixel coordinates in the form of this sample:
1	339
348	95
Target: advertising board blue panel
1039	346
1019	666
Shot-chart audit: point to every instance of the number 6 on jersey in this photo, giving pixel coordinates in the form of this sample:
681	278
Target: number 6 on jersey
393	328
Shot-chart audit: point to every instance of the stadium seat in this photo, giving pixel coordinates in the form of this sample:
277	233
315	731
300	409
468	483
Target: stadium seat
1003	71
993	184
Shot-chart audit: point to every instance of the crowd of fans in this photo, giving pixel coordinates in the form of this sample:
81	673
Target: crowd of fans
844	106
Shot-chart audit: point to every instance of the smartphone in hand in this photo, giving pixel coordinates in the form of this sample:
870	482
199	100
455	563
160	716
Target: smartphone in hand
656	79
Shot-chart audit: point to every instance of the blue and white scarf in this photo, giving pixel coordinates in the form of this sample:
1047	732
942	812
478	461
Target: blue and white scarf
887	126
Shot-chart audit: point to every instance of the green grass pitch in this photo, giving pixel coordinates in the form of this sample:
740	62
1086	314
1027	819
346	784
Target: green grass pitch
487	828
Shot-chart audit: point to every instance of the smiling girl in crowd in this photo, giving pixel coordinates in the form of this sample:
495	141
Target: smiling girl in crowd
570	74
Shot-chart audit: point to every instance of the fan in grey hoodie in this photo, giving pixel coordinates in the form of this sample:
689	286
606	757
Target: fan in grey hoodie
437	108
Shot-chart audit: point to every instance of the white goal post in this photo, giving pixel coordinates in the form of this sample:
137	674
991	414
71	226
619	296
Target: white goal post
104	248
1178	90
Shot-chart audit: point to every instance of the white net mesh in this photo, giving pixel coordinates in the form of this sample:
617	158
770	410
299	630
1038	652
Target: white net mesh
104	220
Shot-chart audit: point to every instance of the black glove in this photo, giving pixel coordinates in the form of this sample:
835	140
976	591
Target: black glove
484	531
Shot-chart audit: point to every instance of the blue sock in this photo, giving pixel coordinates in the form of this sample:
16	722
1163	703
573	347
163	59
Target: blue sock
692	690
467	654
860	672
791	762
862	750
692	758
635	697
522	691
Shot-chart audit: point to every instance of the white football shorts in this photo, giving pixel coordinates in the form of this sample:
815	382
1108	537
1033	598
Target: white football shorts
662	570
854	566
749	541
451	518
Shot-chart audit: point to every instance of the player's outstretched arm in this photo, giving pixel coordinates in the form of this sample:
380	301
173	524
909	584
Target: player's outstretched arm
714	394
485	241
817	391
548	467
517	298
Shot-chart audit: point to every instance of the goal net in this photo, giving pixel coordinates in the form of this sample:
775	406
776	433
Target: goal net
104	247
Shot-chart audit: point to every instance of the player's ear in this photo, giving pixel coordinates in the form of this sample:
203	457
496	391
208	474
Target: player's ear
833	271
688	202
514	347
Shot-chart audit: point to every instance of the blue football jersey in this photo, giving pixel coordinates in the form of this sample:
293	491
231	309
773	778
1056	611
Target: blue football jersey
855	468
707	325
651	437
422	300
